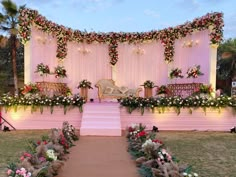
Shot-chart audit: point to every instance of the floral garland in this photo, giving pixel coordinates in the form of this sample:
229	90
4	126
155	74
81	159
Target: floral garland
167	36
16	102
151	156
44	157
132	103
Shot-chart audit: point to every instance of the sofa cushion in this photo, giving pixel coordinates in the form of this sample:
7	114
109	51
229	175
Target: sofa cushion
108	90
123	89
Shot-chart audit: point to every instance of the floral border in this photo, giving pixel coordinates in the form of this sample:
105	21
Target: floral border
29	17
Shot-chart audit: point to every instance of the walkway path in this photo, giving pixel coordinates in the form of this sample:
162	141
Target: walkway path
99	157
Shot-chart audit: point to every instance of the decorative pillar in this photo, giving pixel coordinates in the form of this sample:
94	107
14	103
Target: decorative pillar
113	72
213	65
27	63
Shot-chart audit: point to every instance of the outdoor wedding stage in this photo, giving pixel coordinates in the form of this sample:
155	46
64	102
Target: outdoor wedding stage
163	78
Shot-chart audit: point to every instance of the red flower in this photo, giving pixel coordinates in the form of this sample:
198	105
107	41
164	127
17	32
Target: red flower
157	141
142	133
131	129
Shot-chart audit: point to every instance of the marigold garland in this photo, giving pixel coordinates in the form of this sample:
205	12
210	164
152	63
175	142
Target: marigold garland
167	36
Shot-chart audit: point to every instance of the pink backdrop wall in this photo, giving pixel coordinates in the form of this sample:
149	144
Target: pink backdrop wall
131	70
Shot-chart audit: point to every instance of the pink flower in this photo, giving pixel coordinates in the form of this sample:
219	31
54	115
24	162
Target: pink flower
17	171
9	171
22	158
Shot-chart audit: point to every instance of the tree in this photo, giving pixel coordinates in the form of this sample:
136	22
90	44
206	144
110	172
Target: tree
226	64
227	60
8	23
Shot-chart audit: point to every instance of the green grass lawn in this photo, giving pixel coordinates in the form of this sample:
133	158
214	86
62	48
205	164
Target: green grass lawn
212	154
13	143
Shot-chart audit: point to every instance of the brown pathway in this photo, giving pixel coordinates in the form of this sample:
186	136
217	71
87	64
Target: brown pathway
99	157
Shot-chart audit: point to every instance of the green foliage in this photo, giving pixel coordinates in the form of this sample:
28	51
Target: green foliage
145	171
163	103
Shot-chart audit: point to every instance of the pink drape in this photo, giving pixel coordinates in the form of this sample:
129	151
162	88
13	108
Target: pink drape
137	62
79	65
198	54
134	68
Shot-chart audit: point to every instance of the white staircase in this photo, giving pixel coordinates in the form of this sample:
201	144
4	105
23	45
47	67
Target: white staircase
101	119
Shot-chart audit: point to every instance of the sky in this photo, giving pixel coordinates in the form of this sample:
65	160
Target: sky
131	15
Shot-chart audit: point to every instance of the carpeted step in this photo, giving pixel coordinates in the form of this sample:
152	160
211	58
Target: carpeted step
101	119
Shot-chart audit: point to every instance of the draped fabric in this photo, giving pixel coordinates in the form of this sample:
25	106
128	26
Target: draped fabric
91	65
134	68
198	54
136	64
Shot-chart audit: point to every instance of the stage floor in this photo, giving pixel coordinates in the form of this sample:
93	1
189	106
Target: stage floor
212	120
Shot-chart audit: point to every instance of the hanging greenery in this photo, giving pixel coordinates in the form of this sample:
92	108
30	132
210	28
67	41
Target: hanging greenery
167	37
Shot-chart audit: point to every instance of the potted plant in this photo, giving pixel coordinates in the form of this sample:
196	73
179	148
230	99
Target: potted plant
148	86
204	90
162	91
43	70
60	72
175	73
84	85
194	72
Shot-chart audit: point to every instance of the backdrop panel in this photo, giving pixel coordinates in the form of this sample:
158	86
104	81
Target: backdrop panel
141	62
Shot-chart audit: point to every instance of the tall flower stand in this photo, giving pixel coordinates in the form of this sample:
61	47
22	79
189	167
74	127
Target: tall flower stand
147	92
84	93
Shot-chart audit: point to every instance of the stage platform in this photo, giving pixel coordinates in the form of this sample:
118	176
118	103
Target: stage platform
101	117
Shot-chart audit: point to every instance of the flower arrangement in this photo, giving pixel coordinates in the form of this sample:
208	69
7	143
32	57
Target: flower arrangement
132	103
206	89
38	103
163	90
175	73
22	172
151	156
30	89
194	72
167	36
42	69
60	72
42	159
85	84
148	84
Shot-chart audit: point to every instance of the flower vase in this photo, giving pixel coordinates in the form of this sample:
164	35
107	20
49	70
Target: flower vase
84	93
147	92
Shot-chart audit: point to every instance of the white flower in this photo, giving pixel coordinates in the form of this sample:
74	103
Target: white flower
195	174
185	174
189	175
50	154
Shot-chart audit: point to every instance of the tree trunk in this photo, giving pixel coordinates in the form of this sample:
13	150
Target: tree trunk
13	55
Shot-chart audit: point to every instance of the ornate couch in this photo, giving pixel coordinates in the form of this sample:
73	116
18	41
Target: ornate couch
108	89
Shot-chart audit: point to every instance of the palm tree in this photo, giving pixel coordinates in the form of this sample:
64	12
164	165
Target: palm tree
227	60
8	23
226	65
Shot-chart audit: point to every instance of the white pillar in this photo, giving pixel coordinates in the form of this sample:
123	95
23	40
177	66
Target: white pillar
213	65
27	63
113	72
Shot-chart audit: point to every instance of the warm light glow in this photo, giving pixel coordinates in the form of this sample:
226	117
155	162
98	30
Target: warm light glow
15	115
42	40
190	43
84	50
138	51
